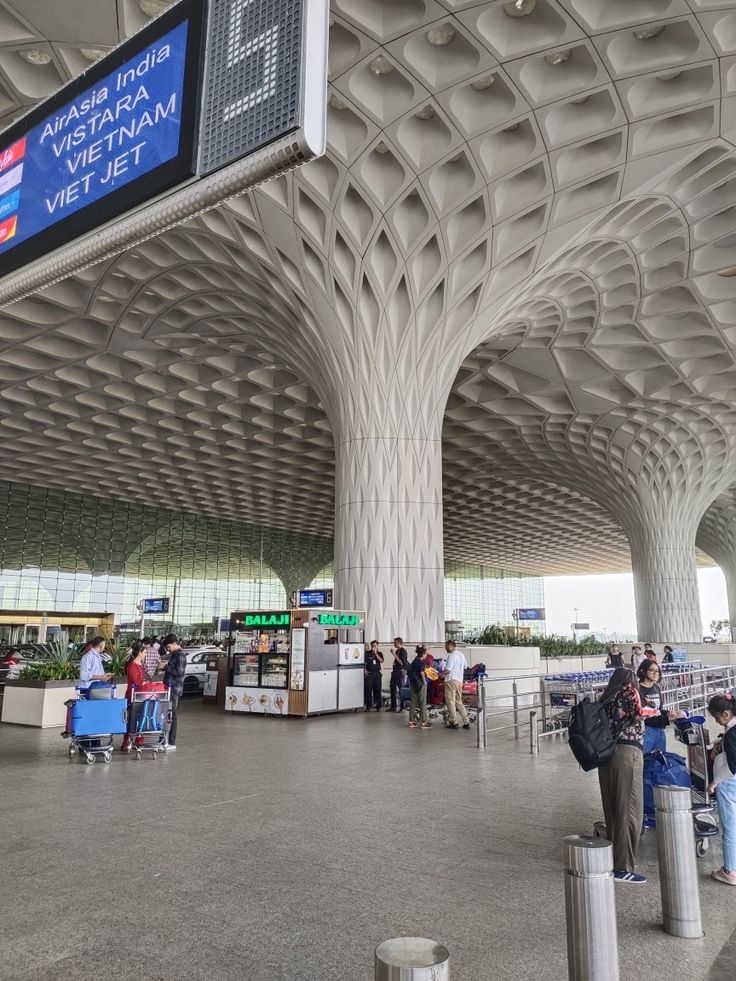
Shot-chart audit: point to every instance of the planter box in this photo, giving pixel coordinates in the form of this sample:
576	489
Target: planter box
36	703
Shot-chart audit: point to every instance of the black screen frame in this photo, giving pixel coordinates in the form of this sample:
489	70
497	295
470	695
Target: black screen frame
148	185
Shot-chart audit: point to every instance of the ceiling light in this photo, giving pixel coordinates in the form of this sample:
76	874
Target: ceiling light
381	148
520	8
92	54
35	56
426	113
731	271
669	76
580	101
481	84
337	103
441	34
558	57
152	8
647	33
381	66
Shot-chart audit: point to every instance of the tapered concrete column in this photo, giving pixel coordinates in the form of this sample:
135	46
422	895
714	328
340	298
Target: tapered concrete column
665	581
388	533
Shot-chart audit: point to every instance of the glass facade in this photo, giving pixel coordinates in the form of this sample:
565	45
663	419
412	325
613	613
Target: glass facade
69	552
477	595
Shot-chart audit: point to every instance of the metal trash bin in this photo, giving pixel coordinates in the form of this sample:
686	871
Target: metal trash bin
412	959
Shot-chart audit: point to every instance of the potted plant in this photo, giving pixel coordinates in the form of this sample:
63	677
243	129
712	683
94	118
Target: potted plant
36	697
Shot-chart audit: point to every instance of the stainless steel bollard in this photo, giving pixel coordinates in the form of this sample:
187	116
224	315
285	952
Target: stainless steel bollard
412	959
481	733
533	732
678	872
590	905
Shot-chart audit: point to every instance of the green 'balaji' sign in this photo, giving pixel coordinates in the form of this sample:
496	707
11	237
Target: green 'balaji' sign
339	619
267	620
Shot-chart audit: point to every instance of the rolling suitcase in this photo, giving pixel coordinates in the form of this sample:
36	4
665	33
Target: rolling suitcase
104	717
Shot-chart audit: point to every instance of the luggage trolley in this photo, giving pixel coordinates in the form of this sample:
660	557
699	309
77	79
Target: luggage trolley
92	722
693	733
149	720
562	692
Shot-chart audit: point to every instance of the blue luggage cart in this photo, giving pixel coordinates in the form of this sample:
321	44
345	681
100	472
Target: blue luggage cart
91	724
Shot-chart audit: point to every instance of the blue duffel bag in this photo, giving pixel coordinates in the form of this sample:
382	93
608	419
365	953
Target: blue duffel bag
662	770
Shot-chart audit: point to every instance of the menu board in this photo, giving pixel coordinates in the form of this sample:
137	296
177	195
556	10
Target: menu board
298	644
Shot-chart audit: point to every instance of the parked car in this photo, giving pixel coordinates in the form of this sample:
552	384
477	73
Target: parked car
197	667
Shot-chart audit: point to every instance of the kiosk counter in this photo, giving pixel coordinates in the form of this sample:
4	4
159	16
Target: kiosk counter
296	662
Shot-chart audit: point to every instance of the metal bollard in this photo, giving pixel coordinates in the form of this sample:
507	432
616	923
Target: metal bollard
678	872
533	732
481	733
590	905
515	690
412	959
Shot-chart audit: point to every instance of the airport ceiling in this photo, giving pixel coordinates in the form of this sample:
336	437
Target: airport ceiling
552	180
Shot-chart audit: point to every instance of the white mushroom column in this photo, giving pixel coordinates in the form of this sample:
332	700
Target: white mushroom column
665	579
717	537
388	528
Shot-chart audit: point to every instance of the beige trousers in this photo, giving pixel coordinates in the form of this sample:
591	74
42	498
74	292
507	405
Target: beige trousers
454	701
622	793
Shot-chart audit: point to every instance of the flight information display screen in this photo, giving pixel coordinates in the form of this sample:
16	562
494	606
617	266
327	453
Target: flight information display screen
121	137
159	604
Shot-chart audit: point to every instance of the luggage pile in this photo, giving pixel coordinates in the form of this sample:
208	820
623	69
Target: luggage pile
96	715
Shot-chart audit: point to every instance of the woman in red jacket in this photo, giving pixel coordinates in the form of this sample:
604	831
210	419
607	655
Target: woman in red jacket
135	671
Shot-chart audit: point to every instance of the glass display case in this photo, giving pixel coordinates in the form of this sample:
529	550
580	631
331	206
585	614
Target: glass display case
274	670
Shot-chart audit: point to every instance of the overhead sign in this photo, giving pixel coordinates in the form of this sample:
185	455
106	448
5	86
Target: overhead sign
530	613
339	619
252	621
159	604
114	137
581	626
208	100
315	597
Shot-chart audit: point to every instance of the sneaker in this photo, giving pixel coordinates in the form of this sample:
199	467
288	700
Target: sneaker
413	725
722	876
170	748
621	875
426	725
452	725
466	725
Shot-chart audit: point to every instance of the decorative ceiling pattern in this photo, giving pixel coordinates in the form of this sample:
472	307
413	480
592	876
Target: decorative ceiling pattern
524	206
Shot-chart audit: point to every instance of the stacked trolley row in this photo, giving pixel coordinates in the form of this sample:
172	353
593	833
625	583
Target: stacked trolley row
93	720
562	692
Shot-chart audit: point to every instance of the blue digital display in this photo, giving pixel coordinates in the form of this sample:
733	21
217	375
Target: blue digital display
315	597
126	125
531	613
160	605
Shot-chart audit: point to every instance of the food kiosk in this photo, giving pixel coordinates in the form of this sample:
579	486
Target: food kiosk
296	662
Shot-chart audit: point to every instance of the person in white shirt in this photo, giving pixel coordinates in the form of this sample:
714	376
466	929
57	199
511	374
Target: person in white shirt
91	667
455	666
637	658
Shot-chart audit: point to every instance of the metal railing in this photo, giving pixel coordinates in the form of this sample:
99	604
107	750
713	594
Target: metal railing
541	704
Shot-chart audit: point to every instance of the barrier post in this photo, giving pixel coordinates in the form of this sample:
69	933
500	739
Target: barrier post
411	959
678	872
590	907
480	719
515	690
533	732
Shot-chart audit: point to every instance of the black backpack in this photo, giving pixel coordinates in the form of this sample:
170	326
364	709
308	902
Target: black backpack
590	736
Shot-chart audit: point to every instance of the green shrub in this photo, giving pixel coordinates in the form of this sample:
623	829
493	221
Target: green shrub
550	645
54	669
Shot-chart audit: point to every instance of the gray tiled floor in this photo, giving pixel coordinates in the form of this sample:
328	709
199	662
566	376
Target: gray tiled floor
282	850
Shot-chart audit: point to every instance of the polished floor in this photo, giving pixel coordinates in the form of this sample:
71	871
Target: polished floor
285	850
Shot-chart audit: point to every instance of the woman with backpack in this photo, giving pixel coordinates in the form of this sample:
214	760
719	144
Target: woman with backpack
622	777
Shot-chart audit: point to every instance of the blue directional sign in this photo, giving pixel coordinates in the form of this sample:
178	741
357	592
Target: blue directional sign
531	613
